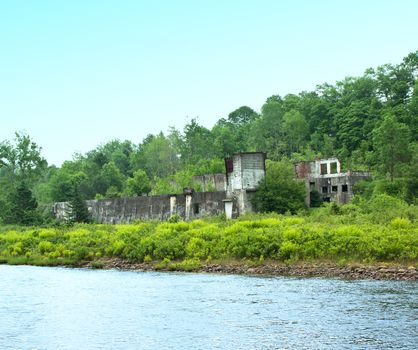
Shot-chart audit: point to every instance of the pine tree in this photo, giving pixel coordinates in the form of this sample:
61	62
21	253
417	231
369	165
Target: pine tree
78	207
23	207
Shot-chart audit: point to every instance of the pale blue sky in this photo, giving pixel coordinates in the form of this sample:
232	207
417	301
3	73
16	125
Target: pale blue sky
77	73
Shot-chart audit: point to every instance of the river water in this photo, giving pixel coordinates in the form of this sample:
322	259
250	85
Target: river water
59	308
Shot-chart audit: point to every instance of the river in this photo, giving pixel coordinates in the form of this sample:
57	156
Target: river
61	308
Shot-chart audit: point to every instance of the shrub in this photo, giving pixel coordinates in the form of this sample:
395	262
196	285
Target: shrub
279	191
188	265
45	247
388	232
400	223
97	265
174	218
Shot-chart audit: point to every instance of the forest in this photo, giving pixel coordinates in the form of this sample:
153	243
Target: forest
370	122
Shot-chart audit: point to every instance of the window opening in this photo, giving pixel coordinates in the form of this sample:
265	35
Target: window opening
196	208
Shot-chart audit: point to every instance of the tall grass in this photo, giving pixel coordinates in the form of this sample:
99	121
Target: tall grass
349	233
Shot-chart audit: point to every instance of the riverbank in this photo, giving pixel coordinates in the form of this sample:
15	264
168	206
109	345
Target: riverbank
346	246
382	271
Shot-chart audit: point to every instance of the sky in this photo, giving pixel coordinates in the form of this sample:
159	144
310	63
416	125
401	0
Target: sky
76	74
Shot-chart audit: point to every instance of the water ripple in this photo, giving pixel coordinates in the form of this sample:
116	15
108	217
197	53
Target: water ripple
55	308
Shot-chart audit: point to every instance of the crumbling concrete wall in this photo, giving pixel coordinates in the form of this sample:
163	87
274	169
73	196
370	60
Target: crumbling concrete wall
126	210
61	211
330	167
233	190
211	182
245	171
325	177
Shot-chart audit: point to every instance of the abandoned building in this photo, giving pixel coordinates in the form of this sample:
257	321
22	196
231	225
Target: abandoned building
325	177
228	194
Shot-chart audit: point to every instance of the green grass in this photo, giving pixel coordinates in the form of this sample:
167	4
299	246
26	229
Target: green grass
39	261
349	234
97	265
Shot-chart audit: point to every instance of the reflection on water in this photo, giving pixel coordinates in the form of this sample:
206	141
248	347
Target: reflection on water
57	308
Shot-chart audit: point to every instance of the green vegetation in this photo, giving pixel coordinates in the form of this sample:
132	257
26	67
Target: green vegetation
383	228
370	122
21	167
279	192
79	211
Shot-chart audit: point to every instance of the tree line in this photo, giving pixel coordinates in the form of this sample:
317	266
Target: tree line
370	122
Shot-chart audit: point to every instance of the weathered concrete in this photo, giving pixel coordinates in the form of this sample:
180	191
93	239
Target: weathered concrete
211	182
126	210
325	176
228	194
244	173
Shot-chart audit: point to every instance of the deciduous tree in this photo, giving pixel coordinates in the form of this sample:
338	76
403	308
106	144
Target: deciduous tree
279	191
391	144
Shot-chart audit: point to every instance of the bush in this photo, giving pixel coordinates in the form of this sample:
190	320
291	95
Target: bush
382	229
97	265
279	191
174	218
315	199
189	265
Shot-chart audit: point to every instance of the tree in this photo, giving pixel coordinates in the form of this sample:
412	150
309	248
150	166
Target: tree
391	144
266	133
242	115
157	155
232	135
224	138
197	143
138	185
21	160
112	192
21	165
23	207
295	128
413	112
78	207
412	176
279	191
61	182
112	176
395	82
315	199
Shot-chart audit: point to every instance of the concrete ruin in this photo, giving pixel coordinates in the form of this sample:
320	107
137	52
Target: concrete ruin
210	182
228	194
325	177
244	171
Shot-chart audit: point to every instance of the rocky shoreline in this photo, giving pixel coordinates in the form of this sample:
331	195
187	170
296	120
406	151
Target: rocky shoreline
383	271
